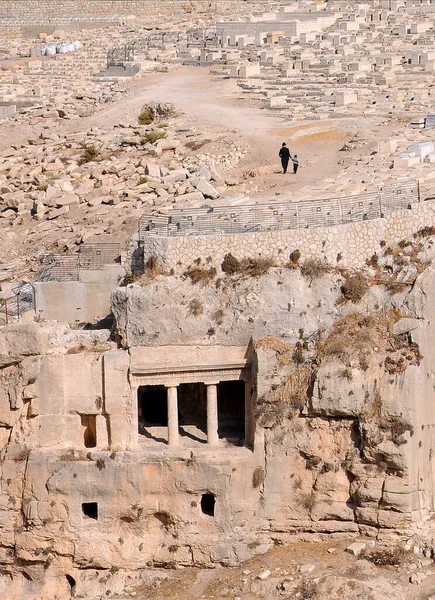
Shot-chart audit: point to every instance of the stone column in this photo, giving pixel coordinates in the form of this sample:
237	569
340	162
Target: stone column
249	415
212	414
173	433
132	438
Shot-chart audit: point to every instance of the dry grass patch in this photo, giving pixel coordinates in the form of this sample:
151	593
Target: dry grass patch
201	276
393	557
425	232
281	349
307	590
195	307
246	267
153	267
357	336
354	288
396	426
314	268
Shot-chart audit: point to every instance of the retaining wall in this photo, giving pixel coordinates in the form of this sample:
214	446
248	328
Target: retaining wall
33	9
350	244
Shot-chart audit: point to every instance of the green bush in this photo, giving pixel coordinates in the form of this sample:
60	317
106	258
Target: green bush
146	116
153	136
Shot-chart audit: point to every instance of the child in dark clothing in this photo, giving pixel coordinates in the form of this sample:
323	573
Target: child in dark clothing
295	163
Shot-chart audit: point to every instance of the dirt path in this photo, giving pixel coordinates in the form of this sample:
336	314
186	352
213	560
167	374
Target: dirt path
216	107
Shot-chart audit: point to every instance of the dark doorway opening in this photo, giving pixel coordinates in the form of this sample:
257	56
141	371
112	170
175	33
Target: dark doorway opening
231	411
208	502
192	410
90	510
89	426
153	405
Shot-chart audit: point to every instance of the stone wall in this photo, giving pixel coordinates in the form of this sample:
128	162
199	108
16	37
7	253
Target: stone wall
27	10
81	301
350	245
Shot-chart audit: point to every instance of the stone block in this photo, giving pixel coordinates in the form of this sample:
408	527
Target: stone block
51	431
387	146
116	385
356	548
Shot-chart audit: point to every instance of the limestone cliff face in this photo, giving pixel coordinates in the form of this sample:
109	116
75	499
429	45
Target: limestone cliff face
344	381
343	401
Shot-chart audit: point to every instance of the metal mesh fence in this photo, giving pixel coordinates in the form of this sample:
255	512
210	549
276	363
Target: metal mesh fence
95	256
67	267
290	215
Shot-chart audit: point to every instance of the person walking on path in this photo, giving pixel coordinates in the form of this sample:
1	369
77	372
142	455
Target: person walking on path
284	155
295	163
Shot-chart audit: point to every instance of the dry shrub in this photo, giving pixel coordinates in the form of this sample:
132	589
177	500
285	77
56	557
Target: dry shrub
354	288
230	264
425	232
356	336
269	342
307	590
153	267
246	267
202	276
373	261
314	268
195	307
396	427
395	287
393	557
294	391
130	278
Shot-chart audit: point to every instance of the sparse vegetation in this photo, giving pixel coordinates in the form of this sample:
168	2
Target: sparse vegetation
307	589
357	336
201	276
142	180
425	232
146	116
314	268
246	267
153	136
90	153
354	288
129	278
396	427
281	349
382	557
195	307
153	267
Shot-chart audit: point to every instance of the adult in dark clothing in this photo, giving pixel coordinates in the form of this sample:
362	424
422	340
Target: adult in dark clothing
284	155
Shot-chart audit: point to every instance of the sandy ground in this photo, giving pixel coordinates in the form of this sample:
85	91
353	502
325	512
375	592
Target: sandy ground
284	565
